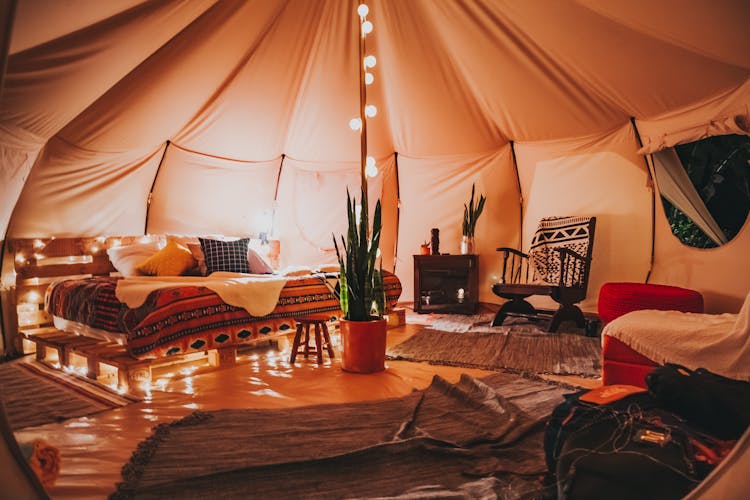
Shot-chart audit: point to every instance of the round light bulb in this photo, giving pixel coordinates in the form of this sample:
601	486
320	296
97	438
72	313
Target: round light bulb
363	10
371	170
366	27
370	61
370	110
369	78
355	124
370	161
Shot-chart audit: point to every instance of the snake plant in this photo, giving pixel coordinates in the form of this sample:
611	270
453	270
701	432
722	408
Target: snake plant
361	293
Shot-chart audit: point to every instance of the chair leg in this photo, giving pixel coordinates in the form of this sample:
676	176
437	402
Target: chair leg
318	344
499	318
327	338
567	312
295	344
307	340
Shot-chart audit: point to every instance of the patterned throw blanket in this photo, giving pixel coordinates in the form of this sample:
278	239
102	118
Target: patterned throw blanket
552	234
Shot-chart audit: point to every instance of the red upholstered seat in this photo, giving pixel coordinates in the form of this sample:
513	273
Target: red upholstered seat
623	365
616	299
620	363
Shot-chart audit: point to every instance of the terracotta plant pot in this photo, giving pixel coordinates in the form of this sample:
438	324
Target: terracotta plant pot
363	346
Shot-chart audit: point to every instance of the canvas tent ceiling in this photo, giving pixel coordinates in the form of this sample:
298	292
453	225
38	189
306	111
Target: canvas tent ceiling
211	109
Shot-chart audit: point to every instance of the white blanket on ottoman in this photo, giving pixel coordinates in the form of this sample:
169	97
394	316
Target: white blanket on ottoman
717	342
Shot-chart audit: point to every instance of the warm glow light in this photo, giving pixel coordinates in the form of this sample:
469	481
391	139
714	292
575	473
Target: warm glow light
370	61
101	239
355	124
33	297
95	249
363	10
371	110
38	244
115	243
20	258
38	256
369	78
366	28
371	169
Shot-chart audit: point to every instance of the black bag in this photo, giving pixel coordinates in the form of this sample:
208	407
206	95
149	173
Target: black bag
626	449
718	404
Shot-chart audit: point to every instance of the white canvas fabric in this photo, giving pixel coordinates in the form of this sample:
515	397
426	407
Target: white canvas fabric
94	92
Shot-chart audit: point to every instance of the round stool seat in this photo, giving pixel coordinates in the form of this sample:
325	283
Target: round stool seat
616	299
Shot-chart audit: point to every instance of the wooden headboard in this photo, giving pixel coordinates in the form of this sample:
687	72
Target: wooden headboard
30	265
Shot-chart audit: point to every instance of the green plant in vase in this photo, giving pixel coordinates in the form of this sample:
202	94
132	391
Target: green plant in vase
361	294
361	281
471	216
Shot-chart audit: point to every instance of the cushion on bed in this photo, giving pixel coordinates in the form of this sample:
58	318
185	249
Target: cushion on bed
172	260
226	256
126	258
257	264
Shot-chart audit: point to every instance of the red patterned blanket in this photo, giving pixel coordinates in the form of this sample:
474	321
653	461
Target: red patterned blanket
183	319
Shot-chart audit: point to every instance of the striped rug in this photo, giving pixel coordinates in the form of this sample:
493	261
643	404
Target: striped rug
35	394
520	347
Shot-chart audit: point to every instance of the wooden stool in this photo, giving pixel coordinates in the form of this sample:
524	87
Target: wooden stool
321	341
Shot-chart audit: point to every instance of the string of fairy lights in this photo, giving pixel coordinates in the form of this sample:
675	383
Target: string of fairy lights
366	110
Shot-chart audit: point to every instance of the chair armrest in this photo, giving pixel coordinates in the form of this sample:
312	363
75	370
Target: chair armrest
573	254
513	251
573	272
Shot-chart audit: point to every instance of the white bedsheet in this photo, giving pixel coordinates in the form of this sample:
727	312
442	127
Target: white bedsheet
717	342
257	294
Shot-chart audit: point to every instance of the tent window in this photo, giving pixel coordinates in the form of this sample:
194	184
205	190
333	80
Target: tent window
719	170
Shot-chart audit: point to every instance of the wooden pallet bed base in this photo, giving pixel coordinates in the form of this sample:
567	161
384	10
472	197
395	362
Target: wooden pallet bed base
109	362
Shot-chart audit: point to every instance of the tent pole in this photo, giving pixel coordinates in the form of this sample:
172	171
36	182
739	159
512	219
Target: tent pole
520	194
398	210
153	183
276	193
651	177
7	15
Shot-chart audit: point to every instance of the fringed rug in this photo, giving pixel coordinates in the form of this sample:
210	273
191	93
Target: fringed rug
478	438
35	394
521	347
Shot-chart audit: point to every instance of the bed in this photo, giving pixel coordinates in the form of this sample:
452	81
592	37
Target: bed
182	318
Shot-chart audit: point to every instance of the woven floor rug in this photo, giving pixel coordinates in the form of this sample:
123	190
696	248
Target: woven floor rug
35	394
477	438
521	347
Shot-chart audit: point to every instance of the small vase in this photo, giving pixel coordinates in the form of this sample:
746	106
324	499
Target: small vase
467	245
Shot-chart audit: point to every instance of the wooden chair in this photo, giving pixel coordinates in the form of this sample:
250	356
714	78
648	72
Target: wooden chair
557	265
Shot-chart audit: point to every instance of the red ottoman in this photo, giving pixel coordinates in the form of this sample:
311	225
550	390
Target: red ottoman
620	363
616	299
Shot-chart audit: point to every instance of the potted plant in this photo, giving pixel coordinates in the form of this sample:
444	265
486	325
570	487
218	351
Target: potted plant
471	215
361	294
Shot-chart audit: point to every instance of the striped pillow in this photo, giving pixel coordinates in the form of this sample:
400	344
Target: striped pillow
227	256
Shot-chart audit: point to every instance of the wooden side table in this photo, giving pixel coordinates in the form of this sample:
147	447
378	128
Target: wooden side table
446	283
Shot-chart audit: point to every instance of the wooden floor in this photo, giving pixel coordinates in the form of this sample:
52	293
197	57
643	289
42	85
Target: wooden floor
94	448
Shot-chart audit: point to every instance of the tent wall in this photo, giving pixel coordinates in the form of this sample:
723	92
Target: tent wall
94	91
433	193
601	176
721	274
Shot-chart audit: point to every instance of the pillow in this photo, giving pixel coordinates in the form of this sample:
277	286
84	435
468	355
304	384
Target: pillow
172	260
257	264
227	256
195	249
329	268
126	258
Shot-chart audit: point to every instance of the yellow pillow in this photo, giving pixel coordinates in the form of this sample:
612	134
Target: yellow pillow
172	260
